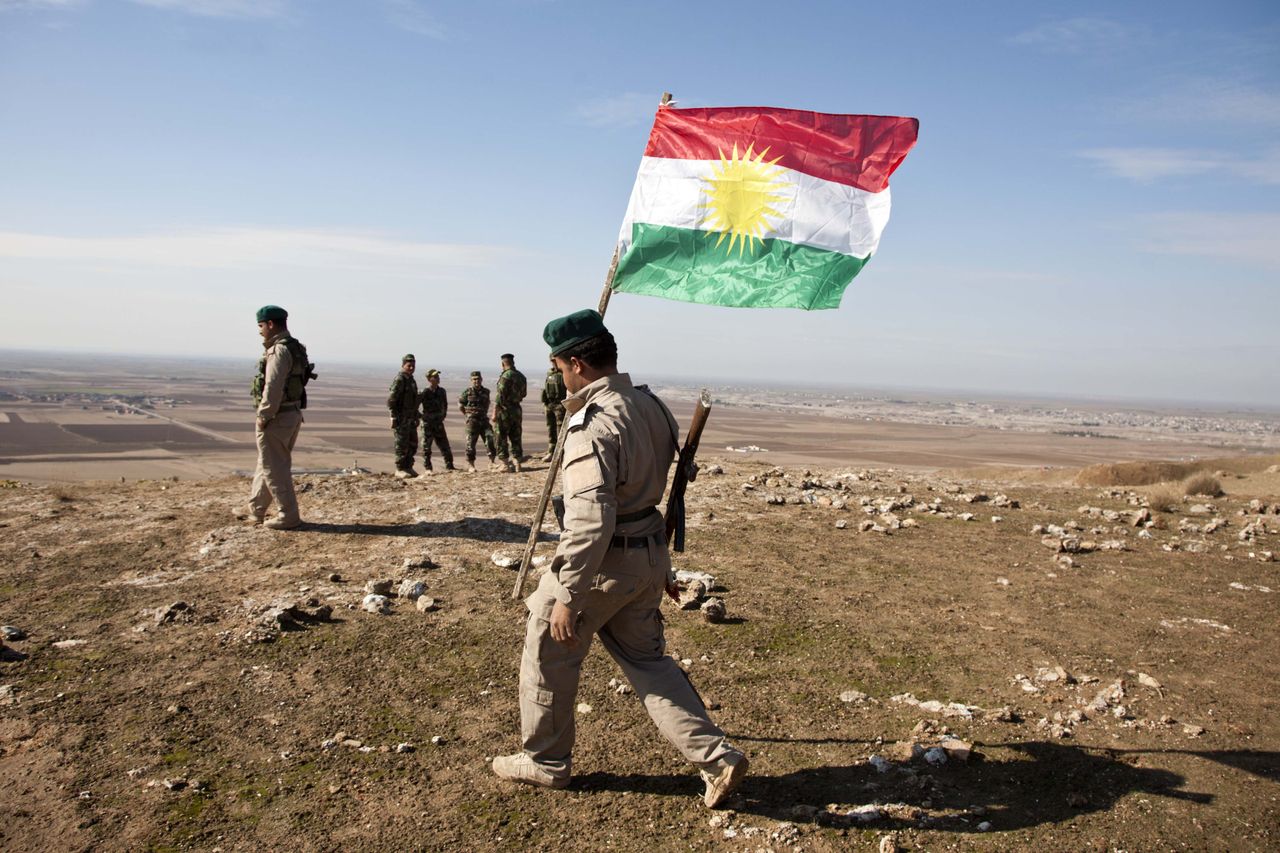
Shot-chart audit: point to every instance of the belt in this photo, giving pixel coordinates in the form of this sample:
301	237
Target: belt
633	541
627	517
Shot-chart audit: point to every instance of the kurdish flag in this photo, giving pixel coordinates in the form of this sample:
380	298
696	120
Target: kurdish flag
755	207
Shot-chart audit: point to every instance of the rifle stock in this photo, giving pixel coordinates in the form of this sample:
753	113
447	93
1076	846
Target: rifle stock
686	471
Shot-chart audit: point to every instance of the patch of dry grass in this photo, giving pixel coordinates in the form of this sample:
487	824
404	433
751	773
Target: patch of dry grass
1202	483
1165	499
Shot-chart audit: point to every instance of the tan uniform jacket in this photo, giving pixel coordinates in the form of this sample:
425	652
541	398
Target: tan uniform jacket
618	451
279	363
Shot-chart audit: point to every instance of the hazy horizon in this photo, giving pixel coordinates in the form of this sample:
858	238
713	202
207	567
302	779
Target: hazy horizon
457	376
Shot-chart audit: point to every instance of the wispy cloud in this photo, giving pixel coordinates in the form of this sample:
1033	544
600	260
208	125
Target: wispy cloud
240	9
1077	36
1203	100
625	110
1248	238
1146	165
256	248
413	16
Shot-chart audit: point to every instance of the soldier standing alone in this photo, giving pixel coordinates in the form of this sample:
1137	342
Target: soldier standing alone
403	403
609	573
474	403
553	394
279	395
435	408
508	416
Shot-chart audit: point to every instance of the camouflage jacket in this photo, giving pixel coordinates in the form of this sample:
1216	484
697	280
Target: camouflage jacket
474	403
512	388
553	390
403	399
435	404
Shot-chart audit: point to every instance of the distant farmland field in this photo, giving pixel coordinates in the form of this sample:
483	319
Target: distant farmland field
145	433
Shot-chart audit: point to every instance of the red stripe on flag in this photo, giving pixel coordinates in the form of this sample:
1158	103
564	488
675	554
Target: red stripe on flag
861	151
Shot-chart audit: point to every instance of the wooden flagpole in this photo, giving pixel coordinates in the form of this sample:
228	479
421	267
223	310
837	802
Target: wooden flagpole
536	526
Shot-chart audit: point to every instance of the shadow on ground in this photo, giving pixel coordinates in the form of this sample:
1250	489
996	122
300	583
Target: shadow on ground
1048	783
481	529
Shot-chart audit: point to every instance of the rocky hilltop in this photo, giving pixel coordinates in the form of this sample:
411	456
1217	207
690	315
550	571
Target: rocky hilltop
912	660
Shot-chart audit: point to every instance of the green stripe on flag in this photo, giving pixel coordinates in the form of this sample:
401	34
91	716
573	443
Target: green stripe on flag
684	264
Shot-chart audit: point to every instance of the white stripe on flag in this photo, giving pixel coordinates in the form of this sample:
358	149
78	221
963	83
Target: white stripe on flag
814	212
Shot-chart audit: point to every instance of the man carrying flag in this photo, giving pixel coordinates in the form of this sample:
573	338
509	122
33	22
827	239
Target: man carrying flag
742	207
609	573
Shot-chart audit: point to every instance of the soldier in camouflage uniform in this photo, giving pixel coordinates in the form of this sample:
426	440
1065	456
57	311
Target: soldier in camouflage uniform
403	403
553	394
435	408
474	404
508	416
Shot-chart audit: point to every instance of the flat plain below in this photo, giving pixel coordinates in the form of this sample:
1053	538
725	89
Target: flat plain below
67	419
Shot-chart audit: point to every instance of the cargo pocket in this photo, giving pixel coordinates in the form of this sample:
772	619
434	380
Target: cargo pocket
537	716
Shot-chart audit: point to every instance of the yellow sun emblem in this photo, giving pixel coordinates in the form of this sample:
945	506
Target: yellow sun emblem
741	193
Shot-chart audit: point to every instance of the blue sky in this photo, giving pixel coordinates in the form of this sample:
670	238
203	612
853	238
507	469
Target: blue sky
1092	209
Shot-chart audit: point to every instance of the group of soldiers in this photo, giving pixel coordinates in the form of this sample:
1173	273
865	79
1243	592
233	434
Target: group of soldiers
611	566
503	434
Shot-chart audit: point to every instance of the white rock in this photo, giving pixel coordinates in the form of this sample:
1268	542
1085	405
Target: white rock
985	826
685	577
584	708
411	589
376	604
503	561
69	644
380	586
880	764
936	756
1148	681
864	814
853	696
425	604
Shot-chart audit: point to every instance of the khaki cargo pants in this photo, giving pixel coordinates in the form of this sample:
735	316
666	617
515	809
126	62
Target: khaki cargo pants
622	610
273	478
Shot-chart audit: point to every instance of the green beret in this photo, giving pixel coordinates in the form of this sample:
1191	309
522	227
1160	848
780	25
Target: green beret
432	372
475	374
566	332
272	312
408	357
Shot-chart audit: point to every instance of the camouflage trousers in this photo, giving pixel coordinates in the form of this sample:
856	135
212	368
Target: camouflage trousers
508	425
406	433
479	429
555	420
434	431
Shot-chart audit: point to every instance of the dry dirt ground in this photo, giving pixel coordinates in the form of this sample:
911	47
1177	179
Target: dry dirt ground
1126	701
